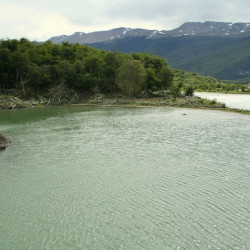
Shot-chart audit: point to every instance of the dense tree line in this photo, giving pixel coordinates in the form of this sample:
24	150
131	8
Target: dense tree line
29	65
187	80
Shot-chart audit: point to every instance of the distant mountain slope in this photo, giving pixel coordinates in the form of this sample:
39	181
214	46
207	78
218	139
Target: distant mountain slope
186	29
217	49
208	84
220	57
103	36
211	29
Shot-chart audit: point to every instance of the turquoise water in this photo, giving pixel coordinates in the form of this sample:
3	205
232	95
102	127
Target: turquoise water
238	101
124	178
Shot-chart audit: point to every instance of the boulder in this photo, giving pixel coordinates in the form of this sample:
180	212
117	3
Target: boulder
4	142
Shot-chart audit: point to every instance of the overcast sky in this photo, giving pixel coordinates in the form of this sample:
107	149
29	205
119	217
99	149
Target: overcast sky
41	19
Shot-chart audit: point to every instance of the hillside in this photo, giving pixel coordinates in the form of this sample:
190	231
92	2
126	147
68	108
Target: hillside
208	28
207	84
219	57
216	49
34	74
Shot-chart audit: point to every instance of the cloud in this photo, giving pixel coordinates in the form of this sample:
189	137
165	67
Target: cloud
170	14
52	25
45	18
18	20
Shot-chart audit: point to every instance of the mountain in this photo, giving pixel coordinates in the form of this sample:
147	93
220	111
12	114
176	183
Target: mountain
220	57
103	36
221	29
187	29
216	49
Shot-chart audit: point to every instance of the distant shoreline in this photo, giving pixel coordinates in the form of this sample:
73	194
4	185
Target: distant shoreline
132	105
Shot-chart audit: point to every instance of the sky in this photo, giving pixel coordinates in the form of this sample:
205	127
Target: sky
41	19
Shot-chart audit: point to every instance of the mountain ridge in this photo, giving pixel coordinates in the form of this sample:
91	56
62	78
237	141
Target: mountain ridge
207	28
220	57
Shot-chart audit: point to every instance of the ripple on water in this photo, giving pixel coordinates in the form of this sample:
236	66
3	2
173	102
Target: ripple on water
125	178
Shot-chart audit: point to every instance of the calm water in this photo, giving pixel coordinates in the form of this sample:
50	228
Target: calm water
120	178
239	101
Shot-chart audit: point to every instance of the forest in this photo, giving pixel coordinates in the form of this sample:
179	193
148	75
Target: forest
185	79
33	69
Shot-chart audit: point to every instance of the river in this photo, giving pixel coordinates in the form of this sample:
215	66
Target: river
124	178
238	101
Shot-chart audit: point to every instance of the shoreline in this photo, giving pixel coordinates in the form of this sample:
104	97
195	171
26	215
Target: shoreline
194	102
239	111
224	93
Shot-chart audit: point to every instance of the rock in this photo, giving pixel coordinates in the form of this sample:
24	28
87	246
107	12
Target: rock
4	142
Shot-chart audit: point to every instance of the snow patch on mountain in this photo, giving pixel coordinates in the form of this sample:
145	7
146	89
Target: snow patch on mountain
188	29
154	33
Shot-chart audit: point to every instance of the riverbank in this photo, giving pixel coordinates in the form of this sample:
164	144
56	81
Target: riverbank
181	102
223	92
13	102
236	101
10	102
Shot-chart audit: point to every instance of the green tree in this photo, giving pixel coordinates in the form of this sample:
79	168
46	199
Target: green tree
83	82
38	78
19	63
166	76
153	82
175	90
5	68
159	75
131	77
189	91
38	67
112	62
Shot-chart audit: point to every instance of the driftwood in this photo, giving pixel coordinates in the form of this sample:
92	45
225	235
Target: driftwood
98	98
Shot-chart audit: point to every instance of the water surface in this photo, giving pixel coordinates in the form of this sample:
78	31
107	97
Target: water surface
239	101
124	178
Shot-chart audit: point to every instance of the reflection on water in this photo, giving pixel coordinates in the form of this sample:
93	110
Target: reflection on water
238	101
120	178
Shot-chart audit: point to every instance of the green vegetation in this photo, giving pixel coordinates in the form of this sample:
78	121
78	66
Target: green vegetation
219	57
34	74
187	80
55	71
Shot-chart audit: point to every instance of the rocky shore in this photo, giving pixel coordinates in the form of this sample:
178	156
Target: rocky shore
4	142
12	102
181	102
